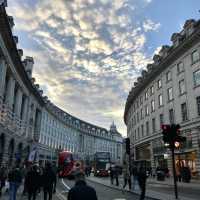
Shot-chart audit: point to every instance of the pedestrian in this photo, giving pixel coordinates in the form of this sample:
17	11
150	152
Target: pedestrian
135	178
49	181
3	177
127	176
142	181
32	181
81	190
111	174
14	179
116	174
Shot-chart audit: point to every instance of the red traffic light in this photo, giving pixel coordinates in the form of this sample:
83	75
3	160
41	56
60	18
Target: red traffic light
165	127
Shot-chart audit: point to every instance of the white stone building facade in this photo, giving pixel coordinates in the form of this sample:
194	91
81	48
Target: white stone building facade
168	92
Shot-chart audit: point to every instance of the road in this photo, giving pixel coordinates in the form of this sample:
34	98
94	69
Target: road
103	192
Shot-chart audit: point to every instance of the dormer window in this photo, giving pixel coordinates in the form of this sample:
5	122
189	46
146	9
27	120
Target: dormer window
195	56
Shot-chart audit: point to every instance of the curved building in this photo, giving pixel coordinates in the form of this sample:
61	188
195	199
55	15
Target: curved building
168	92
29	121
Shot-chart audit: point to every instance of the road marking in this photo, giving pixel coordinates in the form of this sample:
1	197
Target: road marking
119	199
61	197
65	184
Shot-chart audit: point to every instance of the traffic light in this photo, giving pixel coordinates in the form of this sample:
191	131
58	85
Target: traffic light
166	134
171	135
127	140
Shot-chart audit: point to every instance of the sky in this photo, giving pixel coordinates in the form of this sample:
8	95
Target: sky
88	53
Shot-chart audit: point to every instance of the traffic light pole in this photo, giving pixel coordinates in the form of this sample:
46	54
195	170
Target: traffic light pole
174	172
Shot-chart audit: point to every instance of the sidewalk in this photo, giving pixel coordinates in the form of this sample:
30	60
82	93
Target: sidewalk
150	193
170	182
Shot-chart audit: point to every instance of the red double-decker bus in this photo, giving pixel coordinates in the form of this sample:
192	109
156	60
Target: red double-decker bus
68	164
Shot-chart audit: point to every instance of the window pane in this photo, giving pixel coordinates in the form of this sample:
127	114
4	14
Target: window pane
171	116
160	100
195	56
170	94
198	105
181	86
180	67
169	76
184	112
159	83
196	77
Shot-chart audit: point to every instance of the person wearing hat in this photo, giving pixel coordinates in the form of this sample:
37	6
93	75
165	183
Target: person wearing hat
81	190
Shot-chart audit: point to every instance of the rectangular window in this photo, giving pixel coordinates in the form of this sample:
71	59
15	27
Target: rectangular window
184	112
180	67
198	105
147	128
141	100
142	130
160	100
152	106
138	130
141	114
195	56
135	135
182	86
171	116
152	90
138	118
134	118
196	78
161	119
170	94
159	83
146	95
146	110
153	125
169	76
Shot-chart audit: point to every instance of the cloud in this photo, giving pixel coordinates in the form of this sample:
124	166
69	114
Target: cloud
149	25
87	52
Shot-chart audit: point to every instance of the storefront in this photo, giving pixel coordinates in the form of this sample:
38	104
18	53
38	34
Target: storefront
187	159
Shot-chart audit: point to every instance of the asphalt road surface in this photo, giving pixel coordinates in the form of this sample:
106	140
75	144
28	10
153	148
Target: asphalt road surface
103	192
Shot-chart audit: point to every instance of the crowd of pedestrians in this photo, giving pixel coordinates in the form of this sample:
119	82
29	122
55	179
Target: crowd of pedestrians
34	177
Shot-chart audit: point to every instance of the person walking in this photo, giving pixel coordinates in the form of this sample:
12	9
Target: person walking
14	179
81	190
3	176
32	181
127	177
49	181
142	181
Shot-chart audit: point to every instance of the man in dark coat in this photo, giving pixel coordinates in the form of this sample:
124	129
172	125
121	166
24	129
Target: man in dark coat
142	182
32	181
3	176
49	181
81	190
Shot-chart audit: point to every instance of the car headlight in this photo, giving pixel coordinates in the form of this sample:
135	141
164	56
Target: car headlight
98	171
109	171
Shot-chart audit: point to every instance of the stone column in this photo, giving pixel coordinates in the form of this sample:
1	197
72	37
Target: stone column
152	156
195	144
10	92
18	103
3	69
